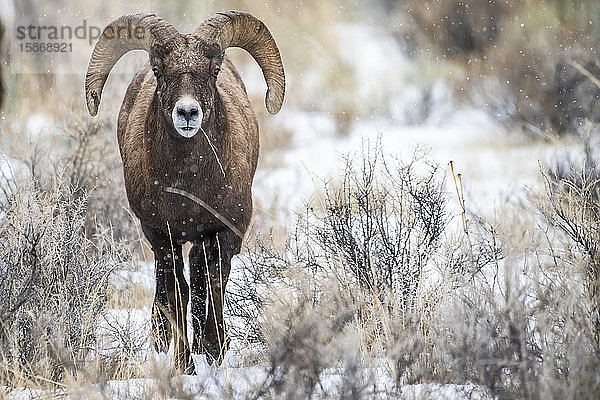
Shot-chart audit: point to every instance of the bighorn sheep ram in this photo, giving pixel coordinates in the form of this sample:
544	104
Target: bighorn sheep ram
188	138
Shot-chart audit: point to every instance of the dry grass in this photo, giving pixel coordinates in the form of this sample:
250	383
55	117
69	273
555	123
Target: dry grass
54	282
134	296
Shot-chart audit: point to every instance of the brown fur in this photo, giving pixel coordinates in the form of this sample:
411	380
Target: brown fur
154	159
150	155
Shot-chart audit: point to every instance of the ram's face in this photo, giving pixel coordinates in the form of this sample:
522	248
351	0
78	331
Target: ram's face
186	84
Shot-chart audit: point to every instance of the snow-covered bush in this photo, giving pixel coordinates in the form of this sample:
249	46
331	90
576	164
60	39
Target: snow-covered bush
350	280
53	283
573	207
508	304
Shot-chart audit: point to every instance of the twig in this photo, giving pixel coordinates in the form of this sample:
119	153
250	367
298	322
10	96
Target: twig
214	150
585	72
461	201
208	208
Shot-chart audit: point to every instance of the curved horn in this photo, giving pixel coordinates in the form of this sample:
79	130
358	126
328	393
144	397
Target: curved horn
237	29
126	33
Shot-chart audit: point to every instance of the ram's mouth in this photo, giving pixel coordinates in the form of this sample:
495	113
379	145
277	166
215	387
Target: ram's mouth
187	131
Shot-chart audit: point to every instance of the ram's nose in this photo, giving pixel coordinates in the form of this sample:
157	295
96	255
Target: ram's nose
187	112
187	116
188	109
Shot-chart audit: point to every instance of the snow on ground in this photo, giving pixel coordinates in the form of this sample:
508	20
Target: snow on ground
212	383
223	382
231	379
11	171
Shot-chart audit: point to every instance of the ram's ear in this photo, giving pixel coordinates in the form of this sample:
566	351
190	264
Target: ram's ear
236	29
128	32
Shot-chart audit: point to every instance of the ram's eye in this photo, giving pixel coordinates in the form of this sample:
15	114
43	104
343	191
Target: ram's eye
216	71
156	71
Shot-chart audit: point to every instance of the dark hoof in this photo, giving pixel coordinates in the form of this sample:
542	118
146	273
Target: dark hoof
215	352
189	369
186	367
197	347
210	359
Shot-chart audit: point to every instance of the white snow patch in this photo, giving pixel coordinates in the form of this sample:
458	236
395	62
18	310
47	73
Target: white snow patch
494	164
11	172
239	383
39	125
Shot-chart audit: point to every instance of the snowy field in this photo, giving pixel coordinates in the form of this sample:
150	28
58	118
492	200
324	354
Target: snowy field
498	166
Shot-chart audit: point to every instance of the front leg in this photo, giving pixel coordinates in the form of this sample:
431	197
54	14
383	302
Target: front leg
198	274
161	327
171	299
224	245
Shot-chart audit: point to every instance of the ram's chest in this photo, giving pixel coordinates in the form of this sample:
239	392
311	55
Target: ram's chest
186	219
